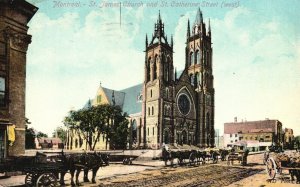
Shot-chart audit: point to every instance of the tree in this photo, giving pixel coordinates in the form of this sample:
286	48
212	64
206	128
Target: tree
41	135
29	138
91	122
119	130
60	133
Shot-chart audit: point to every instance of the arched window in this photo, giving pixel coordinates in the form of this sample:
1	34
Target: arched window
148	69
152	110
200	78
167	93
148	111
207	124
197	57
191	58
154	71
165	110
192	79
150	93
204	59
207	59
197	78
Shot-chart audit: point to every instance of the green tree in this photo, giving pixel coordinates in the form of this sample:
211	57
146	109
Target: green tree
29	138
96	120
60	133
41	135
119	130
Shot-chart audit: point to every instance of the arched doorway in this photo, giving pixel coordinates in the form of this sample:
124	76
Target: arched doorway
166	137
184	137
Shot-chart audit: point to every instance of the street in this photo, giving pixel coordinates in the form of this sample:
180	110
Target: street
154	173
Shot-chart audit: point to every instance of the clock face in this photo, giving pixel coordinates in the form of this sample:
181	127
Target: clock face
184	104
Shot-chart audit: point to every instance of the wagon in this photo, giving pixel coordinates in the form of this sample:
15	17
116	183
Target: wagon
40	170
183	156
241	157
277	166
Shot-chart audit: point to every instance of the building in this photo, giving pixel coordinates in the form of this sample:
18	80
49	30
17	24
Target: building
14	41
48	143
288	139
129	99
168	108
262	131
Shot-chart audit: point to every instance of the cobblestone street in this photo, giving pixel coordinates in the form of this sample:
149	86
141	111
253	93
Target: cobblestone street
154	173
208	175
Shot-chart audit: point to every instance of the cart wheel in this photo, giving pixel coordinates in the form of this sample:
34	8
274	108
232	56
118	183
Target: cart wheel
30	179
271	168
47	179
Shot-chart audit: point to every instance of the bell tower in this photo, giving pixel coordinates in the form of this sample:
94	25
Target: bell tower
199	67
158	82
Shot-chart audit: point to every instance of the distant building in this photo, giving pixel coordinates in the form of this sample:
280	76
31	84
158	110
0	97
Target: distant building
219	140
48	143
14	41
288	139
262	131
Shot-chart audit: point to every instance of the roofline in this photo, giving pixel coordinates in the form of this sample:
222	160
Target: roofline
229	123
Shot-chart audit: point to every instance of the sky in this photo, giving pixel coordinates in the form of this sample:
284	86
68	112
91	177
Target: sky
76	44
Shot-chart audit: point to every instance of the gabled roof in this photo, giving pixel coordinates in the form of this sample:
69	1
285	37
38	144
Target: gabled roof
132	102
119	96
88	104
129	99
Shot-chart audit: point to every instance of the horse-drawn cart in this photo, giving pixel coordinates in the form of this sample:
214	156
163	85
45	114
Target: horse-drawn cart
282	162
43	169
40	170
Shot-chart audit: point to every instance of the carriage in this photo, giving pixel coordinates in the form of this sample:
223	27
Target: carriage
240	156
43	169
189	157
276	165
40	170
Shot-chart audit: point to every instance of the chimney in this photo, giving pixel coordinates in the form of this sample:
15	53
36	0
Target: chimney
235	119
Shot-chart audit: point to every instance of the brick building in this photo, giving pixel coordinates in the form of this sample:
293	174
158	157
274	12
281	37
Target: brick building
288	138
261	131
14	41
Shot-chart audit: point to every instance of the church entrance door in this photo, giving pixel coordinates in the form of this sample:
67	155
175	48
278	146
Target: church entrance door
184	137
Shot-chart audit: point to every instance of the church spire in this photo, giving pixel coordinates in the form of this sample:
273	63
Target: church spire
188	32
159	18
199	17
209	30
172	41
146	41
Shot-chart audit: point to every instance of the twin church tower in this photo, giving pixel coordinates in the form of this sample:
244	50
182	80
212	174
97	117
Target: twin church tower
179	107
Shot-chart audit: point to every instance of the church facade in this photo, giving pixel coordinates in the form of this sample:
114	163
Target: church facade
169	108
179	110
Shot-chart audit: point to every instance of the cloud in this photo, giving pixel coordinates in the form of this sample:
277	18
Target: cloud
67	60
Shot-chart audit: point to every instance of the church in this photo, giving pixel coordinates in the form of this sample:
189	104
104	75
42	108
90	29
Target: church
170	107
